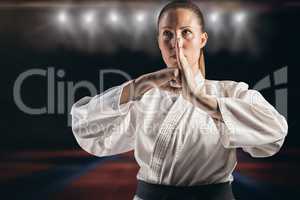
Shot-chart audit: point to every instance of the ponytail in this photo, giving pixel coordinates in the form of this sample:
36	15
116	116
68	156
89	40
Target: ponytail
202	62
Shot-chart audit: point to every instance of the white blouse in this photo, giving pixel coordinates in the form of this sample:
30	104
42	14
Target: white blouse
174	142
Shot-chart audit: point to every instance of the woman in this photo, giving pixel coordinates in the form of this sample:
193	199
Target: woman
184	129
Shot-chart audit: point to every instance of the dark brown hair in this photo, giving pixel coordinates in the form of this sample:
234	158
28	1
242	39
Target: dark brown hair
186	5
189	5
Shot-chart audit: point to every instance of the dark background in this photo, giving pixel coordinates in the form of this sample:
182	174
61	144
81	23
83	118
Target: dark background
38	152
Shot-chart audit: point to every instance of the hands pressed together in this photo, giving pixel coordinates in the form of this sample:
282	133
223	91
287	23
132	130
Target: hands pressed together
174	79
179	80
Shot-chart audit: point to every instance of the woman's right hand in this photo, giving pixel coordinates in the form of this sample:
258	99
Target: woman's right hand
165	79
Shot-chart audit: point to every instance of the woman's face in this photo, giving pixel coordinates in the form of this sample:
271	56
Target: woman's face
181	23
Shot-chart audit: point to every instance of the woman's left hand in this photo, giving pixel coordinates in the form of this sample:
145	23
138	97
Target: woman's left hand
190	88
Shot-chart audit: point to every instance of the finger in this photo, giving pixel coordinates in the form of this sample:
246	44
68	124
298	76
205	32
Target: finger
169	88
187	74
178	53
182	58
183	61
176	81
175	84
166	75
171	74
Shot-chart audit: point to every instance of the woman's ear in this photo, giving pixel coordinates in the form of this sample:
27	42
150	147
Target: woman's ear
203	39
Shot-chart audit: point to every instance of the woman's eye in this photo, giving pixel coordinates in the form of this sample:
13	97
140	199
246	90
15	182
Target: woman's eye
167	35
187	33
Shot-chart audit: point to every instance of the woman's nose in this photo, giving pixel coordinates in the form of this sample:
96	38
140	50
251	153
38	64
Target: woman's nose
175	41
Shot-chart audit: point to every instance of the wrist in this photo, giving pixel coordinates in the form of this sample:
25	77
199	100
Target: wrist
141	86
135	94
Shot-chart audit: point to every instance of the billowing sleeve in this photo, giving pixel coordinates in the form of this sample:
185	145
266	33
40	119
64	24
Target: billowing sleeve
251	122
101	126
